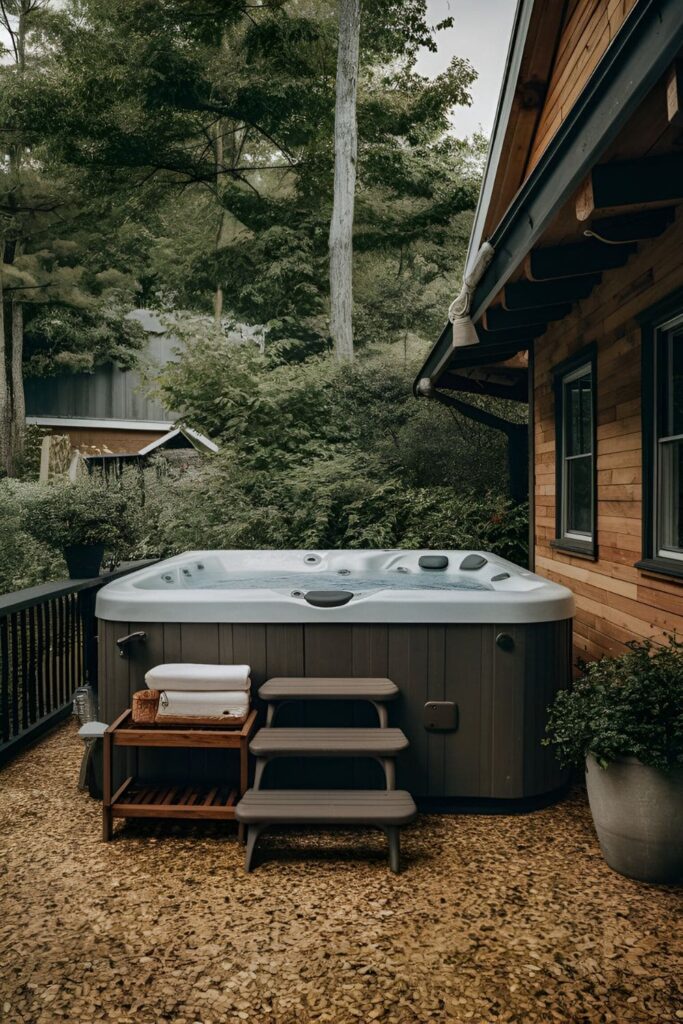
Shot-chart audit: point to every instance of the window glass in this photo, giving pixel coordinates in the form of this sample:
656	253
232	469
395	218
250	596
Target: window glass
577	454
579	415
676	390
580	495
669	454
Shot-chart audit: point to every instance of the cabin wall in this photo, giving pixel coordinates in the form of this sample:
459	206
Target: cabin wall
590	26
615	601
119	442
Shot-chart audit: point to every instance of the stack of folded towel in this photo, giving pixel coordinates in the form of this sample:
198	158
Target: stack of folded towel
206	694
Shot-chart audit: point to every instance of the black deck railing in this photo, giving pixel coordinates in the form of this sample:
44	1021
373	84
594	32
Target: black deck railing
48	647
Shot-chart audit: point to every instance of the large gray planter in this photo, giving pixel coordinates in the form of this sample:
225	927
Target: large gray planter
638	815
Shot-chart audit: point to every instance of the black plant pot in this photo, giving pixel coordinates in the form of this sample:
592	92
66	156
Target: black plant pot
83	560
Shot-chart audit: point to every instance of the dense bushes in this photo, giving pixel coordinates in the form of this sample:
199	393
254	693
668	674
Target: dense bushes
24	562
325	504
321	455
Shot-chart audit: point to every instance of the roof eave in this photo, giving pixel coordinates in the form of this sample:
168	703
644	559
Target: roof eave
648	42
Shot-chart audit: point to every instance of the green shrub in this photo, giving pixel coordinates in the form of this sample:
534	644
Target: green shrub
630	706
85	512
340	502
24	562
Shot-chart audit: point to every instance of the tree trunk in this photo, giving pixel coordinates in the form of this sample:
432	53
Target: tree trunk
218	157
18	407
5	446
345	154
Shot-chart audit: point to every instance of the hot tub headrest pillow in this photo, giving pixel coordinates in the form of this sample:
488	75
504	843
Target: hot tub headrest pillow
199	678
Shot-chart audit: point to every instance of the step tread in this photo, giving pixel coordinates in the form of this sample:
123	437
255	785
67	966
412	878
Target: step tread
320	806
327	688
329	741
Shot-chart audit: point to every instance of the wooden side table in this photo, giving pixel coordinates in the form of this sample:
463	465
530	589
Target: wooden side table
134	799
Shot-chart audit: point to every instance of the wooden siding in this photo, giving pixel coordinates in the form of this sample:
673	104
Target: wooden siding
119	442
589	28
502	697
615	601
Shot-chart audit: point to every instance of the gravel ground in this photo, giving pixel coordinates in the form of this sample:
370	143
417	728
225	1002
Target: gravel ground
493	919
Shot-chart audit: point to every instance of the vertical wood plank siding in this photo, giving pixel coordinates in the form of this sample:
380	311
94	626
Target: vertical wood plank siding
502	697
590	27
615	601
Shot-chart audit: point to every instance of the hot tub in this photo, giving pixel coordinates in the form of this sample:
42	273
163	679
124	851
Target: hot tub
488	641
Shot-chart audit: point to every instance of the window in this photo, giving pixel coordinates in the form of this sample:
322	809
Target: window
663	443
575	453
669	454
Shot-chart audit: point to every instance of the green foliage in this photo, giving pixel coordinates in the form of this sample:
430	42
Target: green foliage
324	503
59	339
131	97
328	455
24	562
630	706
85	512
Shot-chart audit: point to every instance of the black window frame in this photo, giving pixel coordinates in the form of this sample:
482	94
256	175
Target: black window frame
653	321
588	547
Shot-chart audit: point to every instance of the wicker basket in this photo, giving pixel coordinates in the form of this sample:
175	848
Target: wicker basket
145	704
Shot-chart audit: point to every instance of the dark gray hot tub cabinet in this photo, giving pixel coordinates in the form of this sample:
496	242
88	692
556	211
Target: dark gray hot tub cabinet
502	678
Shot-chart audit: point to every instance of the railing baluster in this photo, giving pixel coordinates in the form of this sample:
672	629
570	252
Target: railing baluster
54	681
14	672
41	675
23	661
4	678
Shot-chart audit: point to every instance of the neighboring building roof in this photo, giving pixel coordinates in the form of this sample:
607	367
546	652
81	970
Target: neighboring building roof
530	183
195	439
99	423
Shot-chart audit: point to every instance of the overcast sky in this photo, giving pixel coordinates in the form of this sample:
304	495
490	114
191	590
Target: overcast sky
481	33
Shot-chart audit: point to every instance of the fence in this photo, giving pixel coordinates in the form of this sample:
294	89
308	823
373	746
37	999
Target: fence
48	647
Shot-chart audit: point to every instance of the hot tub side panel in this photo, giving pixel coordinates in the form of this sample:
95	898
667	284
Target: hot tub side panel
502	691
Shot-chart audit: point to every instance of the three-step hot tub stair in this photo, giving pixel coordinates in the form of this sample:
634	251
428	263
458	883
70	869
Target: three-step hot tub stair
386	809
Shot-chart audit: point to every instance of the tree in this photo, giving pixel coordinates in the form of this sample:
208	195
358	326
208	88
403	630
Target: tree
56	249
139	95
345	156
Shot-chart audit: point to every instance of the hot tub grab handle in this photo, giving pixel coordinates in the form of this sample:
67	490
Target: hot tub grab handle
124	642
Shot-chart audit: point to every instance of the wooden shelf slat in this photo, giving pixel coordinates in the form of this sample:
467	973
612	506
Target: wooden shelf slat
135	800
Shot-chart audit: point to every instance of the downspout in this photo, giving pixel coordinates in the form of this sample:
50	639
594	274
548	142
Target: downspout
517	435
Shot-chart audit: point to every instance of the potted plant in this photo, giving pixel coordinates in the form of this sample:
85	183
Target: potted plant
80	519
623	720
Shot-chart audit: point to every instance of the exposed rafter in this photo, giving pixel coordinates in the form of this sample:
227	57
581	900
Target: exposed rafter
529	294
498	319
631	183
580	258
499	339
630	227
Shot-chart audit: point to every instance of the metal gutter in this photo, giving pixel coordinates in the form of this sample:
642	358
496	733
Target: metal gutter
649	41
513	63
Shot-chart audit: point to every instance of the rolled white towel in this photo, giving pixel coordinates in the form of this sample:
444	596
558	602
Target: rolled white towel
194	678
186	704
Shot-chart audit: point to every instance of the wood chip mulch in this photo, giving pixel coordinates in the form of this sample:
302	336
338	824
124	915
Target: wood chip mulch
494	919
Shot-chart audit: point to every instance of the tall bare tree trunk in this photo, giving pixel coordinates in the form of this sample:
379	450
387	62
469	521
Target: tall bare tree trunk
18	410
345	154
218	157
5	401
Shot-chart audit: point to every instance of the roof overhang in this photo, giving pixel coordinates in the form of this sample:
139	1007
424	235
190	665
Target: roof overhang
647	44
100	423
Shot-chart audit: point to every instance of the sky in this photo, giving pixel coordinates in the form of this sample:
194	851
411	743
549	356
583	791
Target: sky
481	33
